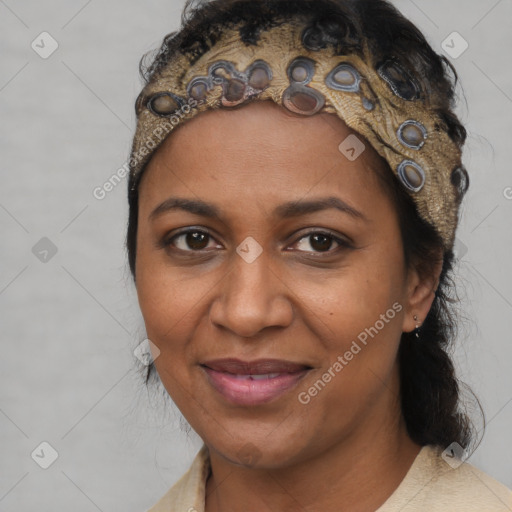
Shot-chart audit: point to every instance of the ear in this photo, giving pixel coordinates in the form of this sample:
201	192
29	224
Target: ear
421	290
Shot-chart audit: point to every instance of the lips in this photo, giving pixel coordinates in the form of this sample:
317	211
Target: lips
259	367
253	382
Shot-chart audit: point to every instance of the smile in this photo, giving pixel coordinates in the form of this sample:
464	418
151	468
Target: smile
253	383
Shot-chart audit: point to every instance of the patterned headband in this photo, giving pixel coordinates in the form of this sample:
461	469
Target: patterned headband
292	67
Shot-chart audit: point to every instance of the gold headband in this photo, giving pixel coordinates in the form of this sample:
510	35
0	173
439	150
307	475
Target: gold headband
383	103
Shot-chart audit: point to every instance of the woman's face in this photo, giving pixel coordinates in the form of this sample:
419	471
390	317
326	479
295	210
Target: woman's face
265	250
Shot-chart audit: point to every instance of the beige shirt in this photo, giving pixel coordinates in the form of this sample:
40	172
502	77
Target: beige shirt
430	485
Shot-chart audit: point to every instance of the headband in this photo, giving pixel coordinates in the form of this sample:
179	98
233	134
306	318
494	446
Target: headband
293	67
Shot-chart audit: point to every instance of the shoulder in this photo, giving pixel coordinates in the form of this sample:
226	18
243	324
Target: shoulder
435	483
188	493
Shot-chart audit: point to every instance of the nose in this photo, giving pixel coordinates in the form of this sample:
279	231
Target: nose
252	297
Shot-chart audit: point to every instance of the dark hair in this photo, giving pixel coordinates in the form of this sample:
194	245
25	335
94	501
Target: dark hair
430	393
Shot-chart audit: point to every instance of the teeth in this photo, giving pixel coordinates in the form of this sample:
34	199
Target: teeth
266	376
258	377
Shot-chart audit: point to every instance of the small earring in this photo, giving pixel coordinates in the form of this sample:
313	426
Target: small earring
417	329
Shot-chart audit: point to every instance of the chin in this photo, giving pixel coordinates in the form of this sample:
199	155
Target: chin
258	452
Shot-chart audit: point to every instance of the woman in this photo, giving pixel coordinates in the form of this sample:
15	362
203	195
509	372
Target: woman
292	247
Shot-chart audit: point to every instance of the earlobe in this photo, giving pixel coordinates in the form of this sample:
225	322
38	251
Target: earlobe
421	295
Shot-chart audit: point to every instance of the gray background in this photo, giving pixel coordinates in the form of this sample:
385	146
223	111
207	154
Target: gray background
69	325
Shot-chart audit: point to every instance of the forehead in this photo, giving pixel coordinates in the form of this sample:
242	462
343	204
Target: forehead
249	160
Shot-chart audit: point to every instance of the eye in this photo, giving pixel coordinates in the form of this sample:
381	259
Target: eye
197	240
190	240
320	241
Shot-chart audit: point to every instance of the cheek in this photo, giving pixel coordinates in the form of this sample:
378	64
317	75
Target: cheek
358	321
168	303
358	314
174	305
170	310
354	299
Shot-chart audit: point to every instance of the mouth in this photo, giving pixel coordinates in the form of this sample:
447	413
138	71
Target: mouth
253	382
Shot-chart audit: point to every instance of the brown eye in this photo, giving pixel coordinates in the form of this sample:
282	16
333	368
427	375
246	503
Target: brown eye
196	240
320	242
190	241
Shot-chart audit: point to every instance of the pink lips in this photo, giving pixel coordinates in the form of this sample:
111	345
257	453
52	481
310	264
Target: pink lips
253	382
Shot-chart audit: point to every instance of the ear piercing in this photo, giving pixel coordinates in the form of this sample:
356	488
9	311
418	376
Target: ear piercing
417	329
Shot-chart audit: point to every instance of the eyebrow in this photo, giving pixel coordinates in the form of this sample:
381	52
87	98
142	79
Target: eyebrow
285	210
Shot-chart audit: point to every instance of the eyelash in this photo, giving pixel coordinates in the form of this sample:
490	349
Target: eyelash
342	244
